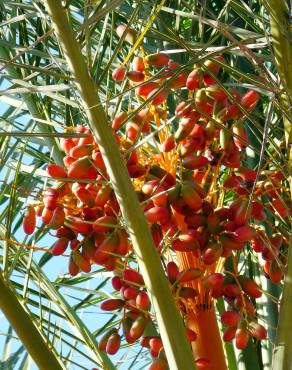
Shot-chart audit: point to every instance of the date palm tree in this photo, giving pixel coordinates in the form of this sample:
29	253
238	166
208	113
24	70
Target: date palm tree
184	109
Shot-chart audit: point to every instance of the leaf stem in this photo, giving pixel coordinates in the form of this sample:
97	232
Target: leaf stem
26	330
282	45
177	348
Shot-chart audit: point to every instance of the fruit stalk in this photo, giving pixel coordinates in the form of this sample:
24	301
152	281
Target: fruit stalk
202	319
208	344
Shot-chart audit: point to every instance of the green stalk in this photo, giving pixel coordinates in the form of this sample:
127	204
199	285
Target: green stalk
177	348
282	44
28	333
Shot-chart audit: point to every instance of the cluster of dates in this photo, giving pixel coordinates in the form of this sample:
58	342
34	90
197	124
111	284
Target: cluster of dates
84	211
136	322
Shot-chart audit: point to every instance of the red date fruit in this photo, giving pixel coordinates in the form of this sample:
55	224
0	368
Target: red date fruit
29	220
